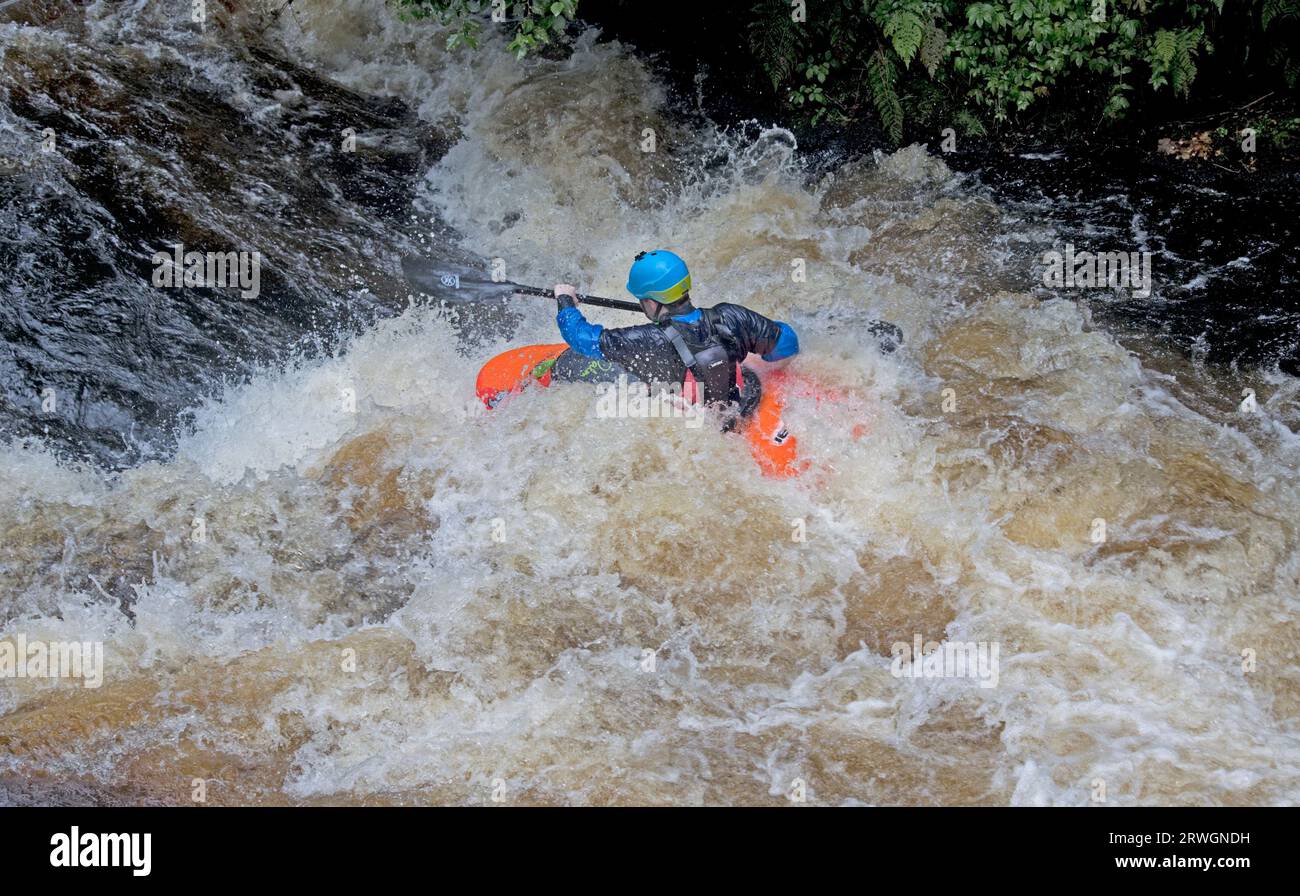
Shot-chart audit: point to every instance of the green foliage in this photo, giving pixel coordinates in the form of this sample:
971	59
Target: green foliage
905	31
811	94
775	38
1273	10
959	63
883	81
1281	133
1275	17
934	47
996	59
536	22
844	48
1171	58
970	125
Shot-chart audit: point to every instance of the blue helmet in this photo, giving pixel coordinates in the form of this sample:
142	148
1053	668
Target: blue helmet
658	275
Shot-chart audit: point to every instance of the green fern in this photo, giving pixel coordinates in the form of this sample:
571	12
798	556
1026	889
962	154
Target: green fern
970	125
905	31
883	79
934	47
1165	47
1173	58
1184	71
1277	9
774	40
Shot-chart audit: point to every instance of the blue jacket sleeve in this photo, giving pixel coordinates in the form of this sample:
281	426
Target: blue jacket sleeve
581	335
787	344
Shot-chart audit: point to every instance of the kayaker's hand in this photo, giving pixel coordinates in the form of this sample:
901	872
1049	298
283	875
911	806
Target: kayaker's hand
566	296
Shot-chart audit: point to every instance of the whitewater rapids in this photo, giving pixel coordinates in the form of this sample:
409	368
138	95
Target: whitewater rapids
395	599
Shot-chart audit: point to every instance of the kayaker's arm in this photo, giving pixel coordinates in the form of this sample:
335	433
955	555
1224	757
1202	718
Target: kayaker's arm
581	335
787	344
770	339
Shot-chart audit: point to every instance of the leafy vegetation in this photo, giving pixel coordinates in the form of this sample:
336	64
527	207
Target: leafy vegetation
537	23
988	62
974	65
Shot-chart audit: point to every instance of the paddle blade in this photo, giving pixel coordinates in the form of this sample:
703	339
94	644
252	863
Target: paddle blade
451	281
476	307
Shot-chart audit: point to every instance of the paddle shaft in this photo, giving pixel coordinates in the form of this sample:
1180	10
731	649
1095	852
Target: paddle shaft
586	300
436	277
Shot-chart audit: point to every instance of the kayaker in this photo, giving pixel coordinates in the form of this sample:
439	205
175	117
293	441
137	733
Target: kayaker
700	348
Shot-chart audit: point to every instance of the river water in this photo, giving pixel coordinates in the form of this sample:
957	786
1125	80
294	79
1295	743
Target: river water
320	576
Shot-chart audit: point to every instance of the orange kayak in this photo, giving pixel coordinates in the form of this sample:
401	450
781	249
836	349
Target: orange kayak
773	447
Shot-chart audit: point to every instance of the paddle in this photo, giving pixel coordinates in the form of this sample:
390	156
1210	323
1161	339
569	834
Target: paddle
461	283
582	297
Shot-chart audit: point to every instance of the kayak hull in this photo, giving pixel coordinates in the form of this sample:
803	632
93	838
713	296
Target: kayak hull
512	370
773	447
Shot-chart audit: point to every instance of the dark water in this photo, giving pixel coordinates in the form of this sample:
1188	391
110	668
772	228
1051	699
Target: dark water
1224	244
216	143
